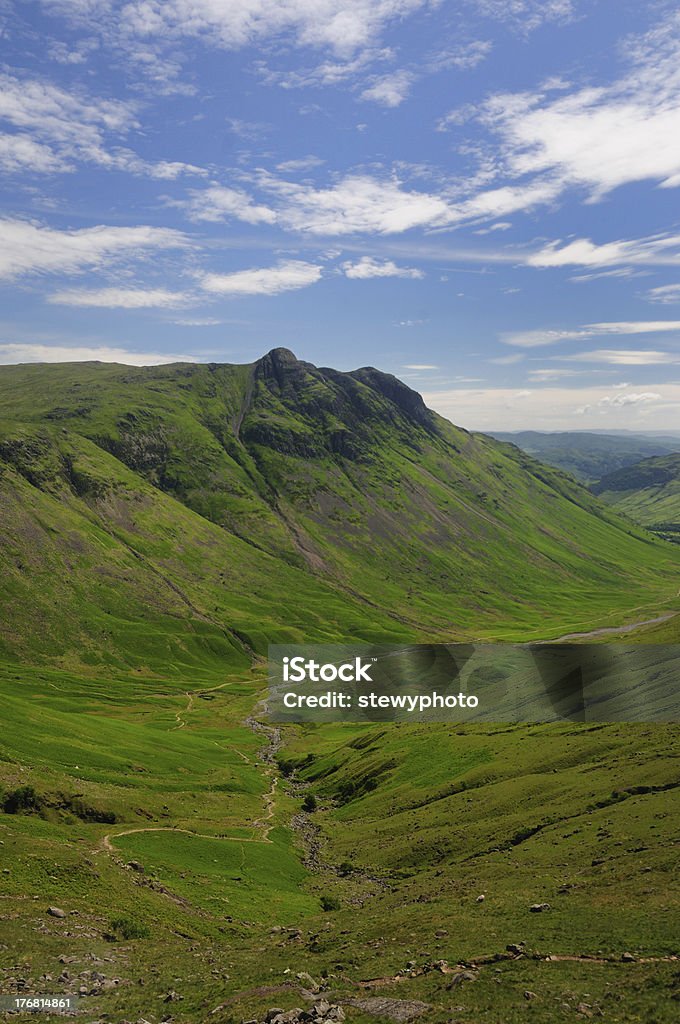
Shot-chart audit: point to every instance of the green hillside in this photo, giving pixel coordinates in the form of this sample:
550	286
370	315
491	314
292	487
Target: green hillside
158	528
589	456
214	507
649	493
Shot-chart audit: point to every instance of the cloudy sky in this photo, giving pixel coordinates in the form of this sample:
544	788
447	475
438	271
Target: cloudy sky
480	196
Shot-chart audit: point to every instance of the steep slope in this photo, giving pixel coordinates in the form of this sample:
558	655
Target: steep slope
272	492
649	493
157	527
104	572
588	456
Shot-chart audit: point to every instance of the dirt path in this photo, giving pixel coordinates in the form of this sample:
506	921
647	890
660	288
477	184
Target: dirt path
487	959
268	755
610	630
178	714
106	844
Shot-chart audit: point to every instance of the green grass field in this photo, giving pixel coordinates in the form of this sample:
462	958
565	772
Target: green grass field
159	527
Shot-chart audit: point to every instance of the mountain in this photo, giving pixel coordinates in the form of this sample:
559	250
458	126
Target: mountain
171	517
648	492
160	844
590	456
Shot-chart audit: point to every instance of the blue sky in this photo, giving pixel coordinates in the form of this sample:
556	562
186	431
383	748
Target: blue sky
480	196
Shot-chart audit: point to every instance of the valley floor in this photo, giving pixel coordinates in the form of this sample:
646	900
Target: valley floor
408	890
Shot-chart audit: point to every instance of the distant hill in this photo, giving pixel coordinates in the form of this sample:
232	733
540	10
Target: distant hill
648	492
590	456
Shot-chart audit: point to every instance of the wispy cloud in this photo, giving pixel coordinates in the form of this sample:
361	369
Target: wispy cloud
286	276
304	163
368	267
548	375
626	357
665	293
201	321
356	204
655	250
344	26
595	138
55	130
16	353
390	90
538	338
527	15
120	298
219	203
557	407
26	247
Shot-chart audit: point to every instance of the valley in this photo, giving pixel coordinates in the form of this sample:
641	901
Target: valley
160	527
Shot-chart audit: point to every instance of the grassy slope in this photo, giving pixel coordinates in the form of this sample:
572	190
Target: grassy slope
649	493
349	479
131	608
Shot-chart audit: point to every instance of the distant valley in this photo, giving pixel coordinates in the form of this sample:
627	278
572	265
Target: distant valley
590	456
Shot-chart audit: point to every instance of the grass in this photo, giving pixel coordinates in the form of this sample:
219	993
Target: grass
649	493
160	526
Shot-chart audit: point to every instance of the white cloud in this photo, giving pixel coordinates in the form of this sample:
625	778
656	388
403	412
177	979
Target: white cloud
21	153
501	225
527	14
16	353
557	408
220	203
626	357
390	90
286	276
356	204
67	126
535	339
305	163
461	57
65	117
202	321
27	247
344	26
635	327
56	130
595	138
119	298
510	360
328	72
656	250
600	138
420	366
367	267
631	398
667	293
546	376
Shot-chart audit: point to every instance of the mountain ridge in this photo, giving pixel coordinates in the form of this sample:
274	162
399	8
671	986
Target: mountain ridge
336	504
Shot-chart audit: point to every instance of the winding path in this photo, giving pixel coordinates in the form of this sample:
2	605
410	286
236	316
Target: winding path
610	630
268	754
